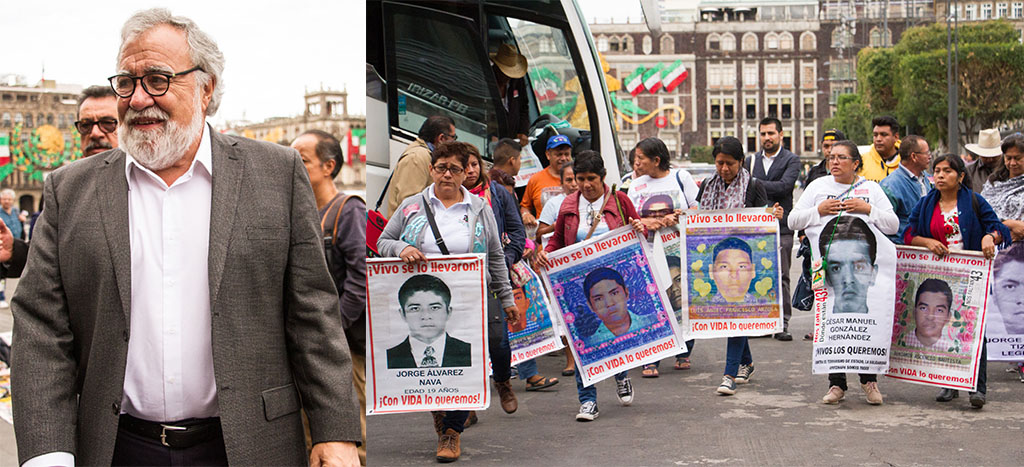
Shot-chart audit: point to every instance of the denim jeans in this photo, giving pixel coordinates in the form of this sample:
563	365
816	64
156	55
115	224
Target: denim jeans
983	367
589	393
737	353
497	340
527	369
689	348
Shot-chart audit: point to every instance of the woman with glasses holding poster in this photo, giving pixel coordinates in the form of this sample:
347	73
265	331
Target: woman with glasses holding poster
465	224
953	217
827	197
593	210
732	187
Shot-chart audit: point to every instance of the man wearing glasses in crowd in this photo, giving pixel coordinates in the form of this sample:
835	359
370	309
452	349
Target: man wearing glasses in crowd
97	119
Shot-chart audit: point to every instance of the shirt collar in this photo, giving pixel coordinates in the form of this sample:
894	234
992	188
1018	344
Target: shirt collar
465	196
766	156
204	158
419	347
909	173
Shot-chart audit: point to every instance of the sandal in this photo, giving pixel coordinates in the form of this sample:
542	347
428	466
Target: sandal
650	371
543	382
569	372
682	363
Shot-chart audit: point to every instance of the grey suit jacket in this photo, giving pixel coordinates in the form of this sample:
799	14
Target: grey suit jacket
276	332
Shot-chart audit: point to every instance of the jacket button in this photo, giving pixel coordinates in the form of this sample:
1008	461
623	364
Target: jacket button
116	406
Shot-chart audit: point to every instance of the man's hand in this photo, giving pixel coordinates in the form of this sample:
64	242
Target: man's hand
335	453
528	219
6	243
777	211
511	316
523	139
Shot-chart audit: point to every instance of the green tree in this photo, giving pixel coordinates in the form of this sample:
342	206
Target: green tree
701	154
853	118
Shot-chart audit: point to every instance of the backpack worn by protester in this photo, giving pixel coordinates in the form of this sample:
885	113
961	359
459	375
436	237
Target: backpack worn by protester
356	333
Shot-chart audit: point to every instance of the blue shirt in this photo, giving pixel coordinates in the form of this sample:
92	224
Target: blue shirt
13	222
904	190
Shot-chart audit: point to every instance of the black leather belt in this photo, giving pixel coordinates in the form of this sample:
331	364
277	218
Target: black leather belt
183	434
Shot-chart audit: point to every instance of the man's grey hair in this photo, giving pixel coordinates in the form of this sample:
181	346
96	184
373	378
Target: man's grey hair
203	49
96	92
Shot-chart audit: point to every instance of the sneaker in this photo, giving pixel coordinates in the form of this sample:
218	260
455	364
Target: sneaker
514	373
835	394
871	393
728	386
977	400
624	391
448	449
588	412
743	376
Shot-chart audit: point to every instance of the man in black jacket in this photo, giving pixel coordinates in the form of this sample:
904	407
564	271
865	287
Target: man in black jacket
778	169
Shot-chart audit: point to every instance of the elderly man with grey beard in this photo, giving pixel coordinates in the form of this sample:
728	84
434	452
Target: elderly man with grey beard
176	307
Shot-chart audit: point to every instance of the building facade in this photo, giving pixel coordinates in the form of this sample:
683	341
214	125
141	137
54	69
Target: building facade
325	110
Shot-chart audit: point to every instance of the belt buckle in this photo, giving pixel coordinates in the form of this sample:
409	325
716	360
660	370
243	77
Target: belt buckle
163	432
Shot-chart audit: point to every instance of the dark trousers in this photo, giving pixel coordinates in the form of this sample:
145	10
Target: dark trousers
839	379
132	449
983	367
785	261
501	357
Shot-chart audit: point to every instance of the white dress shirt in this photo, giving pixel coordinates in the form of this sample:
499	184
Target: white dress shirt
452	224
169	373
419	349
767	160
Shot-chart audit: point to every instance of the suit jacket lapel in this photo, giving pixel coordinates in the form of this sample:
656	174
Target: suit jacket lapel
114	201
759	166
228	170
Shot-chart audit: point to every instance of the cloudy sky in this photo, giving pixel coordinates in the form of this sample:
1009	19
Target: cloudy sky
274	49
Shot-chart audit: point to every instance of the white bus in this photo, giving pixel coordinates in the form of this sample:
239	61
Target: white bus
427	58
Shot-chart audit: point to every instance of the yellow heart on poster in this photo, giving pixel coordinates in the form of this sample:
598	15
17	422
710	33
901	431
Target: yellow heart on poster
761	245
767	263
697	265
763	286
702	287
701	248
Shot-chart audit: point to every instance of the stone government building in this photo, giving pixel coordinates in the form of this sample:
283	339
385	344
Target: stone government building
747	60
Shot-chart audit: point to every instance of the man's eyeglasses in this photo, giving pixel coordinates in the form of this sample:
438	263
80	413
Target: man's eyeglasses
155	83
107	125
441	169
840	158
452	137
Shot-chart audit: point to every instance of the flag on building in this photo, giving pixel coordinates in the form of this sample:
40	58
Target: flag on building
635	81
652	78
355	144
673	75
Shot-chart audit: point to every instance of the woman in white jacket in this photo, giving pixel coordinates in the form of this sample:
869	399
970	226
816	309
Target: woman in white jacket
849	193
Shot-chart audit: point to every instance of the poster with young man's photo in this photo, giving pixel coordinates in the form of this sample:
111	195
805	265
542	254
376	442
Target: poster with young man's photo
535	332
426	335
1004	326
611	304
855	293
940	314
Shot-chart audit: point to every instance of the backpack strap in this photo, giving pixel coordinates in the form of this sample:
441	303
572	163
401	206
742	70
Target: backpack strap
331	235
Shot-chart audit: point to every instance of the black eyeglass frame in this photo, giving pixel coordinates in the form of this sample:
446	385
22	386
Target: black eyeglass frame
112	122
140	79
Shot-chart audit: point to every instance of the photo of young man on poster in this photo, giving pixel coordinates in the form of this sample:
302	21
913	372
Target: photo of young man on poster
849	247
425	306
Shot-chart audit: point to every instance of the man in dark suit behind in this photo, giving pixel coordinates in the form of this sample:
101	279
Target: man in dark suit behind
176	308
778	169
425	305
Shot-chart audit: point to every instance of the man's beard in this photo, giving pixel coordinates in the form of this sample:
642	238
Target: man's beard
158	150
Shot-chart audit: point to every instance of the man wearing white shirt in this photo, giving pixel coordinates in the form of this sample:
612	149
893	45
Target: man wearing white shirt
192	319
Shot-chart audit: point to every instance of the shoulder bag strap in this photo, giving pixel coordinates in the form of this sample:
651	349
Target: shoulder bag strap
384	192
433	227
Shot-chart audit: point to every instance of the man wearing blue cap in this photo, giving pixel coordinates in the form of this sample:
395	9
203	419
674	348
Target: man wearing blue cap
545	184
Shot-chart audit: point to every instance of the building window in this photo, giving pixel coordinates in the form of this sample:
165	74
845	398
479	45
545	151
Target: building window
648	48
807	41
49	119
771	41
785	41
613	44
1001	10
878	40
751	141
28	121
716	109
986	11
750	75
714	42
671	143
728	42
808	108
22	98
1018	10
807	77
727	109
750	42
60	120
715	136
773	107
602	44
970	12
18	119
787	108
808	141
668	45
787	139
751	108
6	120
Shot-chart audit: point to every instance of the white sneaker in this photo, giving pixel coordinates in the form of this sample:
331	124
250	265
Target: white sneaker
624	391
588	412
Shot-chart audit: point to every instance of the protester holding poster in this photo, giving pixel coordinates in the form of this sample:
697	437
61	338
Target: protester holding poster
593	210
846	218
940	317
732	262
660	194
446	219
952	217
